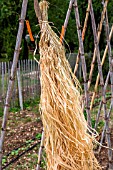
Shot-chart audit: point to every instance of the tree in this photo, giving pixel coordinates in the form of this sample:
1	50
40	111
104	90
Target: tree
9	18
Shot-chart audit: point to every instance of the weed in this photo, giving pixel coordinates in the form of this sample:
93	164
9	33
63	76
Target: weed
38	136
4	160
15	152
1	112
15	109
31	102
28	119
43	162
93	123
100	126
38	119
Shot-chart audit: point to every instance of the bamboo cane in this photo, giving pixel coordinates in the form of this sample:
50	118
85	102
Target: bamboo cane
110	57
98	77
40	18
111	78
37	11
103	132
98	58
100	105
101	80
64	27
40	151
98	39
83	62
12	77
83	36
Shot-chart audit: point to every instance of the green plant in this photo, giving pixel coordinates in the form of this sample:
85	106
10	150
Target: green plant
4	160
1	112
15	109
15	152
31	103
38	136
93	123
100	125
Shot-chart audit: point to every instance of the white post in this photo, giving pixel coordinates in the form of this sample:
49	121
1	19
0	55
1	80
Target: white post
20	88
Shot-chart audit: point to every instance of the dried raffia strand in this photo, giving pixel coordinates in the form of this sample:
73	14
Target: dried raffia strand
68	145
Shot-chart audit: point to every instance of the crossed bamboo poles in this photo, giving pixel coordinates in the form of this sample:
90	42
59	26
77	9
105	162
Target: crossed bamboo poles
100	74
81	36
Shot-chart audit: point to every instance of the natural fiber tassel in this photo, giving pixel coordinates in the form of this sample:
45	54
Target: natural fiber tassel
68	145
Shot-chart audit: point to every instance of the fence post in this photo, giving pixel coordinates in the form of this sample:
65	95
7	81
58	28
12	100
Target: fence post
19	89
3	79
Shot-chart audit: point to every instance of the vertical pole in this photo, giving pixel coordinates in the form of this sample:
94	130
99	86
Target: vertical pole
83	36
19	88
98	76
37	11
81	47
101	78
111	78
64	27
3	79
40	151
12	77
99	30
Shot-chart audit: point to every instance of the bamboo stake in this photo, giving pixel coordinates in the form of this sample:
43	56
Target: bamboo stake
64	27
37	11
98	77
104	130
103	135
100	105
83	62
101	78
83	36
98	58
39	16
111	78
12	77
40	151
98	39
110	57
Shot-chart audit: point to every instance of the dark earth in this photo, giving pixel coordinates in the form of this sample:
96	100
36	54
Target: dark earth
24	126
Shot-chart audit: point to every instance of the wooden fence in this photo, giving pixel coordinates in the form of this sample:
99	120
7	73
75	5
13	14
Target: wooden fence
27	78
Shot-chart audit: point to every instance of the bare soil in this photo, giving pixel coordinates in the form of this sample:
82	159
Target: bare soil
24	126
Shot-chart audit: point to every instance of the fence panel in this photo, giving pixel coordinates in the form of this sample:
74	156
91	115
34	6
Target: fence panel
29	72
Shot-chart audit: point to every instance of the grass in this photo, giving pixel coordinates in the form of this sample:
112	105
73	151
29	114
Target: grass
29	105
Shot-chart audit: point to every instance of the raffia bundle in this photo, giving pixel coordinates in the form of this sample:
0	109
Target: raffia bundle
67	143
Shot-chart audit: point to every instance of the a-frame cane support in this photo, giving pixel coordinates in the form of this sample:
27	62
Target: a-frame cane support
12	77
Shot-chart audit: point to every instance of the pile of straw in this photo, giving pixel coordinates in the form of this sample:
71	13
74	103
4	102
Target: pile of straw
67	143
